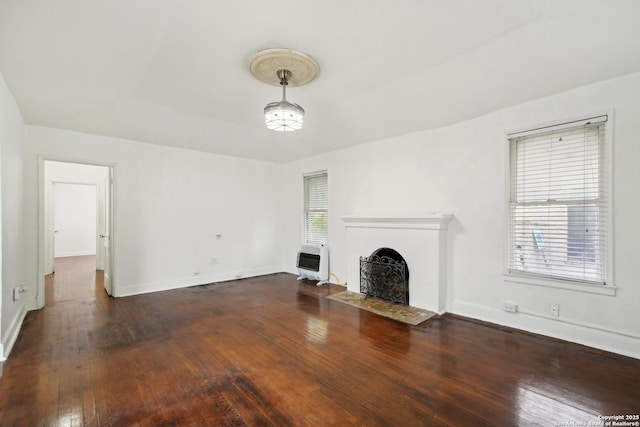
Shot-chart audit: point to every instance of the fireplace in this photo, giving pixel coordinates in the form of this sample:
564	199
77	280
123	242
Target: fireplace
420	239
385	275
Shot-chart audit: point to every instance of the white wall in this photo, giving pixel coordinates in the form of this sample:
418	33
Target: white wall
76	217
169	205
11	143
462	169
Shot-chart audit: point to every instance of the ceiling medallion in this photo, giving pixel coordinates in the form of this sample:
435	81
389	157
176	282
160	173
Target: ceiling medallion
283	67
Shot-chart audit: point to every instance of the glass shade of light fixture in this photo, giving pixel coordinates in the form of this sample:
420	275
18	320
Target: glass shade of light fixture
283	116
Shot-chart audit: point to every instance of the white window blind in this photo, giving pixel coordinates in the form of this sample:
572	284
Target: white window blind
316	208
558	202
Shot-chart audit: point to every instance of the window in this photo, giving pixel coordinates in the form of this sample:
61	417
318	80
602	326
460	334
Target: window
316	208
558	202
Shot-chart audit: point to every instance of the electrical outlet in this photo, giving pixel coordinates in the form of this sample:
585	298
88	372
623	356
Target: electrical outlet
510	307
196	273
214	260
554	310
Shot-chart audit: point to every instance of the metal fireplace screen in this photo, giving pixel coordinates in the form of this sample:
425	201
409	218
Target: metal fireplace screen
385	278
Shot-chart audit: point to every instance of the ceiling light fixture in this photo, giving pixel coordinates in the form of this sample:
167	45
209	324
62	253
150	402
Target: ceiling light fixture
283	116
283	67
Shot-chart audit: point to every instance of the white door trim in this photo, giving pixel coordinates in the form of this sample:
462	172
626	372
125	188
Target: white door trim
42	229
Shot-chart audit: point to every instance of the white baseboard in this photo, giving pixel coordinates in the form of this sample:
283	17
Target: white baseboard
30	305
621	342
68	254
13	331
290	269
146	288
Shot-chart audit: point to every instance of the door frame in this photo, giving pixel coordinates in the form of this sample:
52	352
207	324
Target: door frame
42	229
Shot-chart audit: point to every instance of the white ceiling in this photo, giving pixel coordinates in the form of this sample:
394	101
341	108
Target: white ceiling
175	72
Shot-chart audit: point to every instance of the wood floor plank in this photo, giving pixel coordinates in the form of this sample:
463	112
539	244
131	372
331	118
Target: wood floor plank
274	351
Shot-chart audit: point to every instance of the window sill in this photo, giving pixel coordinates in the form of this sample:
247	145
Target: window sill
560	284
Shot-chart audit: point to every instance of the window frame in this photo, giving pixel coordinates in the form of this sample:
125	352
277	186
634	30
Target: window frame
521	277
305	203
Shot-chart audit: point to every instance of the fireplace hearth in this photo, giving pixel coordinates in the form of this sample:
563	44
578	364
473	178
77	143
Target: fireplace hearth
385	275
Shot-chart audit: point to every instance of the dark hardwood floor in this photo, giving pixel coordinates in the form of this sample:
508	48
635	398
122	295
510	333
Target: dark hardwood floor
274	351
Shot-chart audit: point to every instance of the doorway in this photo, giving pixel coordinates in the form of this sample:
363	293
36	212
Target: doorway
75	220
75	232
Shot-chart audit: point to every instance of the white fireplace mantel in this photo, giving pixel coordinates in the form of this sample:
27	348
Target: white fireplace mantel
420	238
427	221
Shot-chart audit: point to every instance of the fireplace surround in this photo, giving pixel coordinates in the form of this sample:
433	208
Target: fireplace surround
422	241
